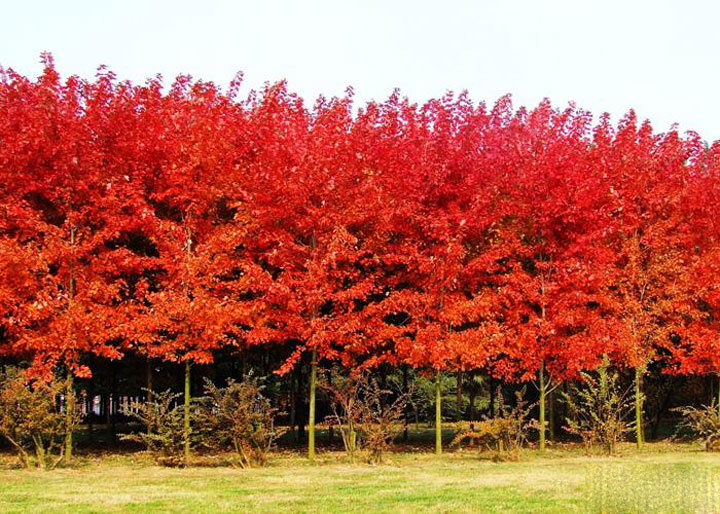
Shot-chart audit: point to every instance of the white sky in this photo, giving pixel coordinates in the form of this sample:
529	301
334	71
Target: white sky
661	57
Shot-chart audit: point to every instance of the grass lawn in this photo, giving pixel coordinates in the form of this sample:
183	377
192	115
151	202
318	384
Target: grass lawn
663	478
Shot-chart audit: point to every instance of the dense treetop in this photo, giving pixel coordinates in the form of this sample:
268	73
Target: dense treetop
177	221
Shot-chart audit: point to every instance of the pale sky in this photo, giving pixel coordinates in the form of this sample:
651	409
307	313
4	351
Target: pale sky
660	57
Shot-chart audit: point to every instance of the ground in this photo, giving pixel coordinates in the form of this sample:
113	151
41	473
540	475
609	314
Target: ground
662	478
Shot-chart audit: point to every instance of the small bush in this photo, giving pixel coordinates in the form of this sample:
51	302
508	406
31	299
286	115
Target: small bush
368	416
240	418
601	409
344	396
704	422
31	421
164	415
502	435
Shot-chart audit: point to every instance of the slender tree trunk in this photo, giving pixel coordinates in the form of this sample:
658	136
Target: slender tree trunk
492	397
311	412
711	388
638	407
186	411
186	427
113	402
542	406
383	387
313	378
473	396
293	401
149	388
298	402
69	393
149	379
551	416
564	403
91	409
718	405
351	439
69	408
438	413
458	396
330	427
405	390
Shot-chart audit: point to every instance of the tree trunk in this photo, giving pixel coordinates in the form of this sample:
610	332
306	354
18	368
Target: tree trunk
458	396
542	406
149	388
298	405
186	413
69	393
383	387
113	402
91	409
330	427
438	413
564	403
311	411
405	390
638	408
492	397
293	401
551	416
473	396
69	408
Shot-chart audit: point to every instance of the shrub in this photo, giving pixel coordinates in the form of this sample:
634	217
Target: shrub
502	435
381	420
344	396
368	416
704	422
31	421
239	417
601	409
163	415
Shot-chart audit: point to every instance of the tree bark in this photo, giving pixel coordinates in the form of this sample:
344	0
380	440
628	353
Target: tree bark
438	413
91	408
551	416
149	388
293	401
638	408
473	396
298	405
330	428
458	396
69	408
112	403
69	393
405	390
492	397
542	406
311	412
186	426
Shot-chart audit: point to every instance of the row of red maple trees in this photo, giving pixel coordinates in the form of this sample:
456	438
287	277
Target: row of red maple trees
176	221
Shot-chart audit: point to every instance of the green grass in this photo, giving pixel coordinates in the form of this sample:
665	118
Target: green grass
662	478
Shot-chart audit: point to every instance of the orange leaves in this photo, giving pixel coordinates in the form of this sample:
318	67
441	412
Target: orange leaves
446	235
